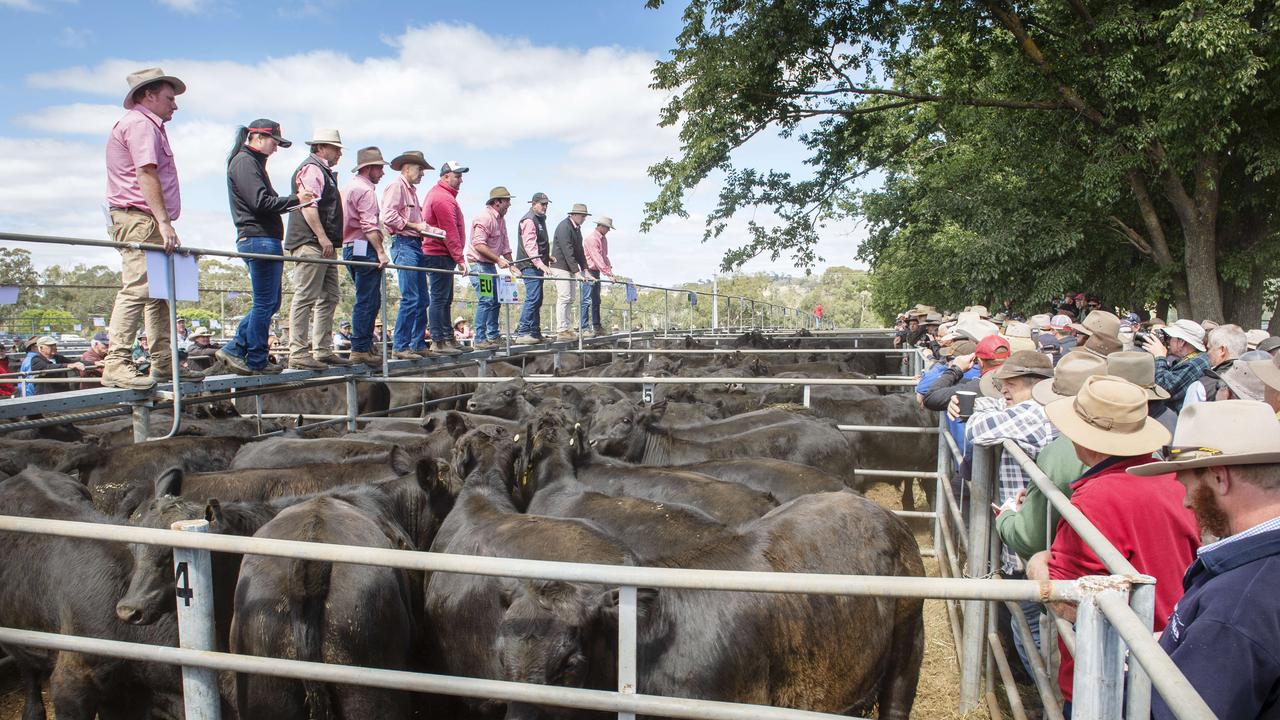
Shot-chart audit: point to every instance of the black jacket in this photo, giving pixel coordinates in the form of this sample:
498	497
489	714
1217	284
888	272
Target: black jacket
951	380
255	207
566	248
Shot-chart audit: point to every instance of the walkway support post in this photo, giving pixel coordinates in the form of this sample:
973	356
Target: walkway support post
193	575
627	645
1098	681
985	462
353	405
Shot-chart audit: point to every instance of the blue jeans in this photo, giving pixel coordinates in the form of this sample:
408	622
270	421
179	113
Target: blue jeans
368	282
486	323
441	296
250	342
531	315
411	318
591	302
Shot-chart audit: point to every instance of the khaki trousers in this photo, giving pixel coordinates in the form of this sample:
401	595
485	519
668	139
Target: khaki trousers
315	299
132	307
565	292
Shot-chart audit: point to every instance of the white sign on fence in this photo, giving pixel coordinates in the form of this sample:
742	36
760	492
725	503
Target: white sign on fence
186	276
508	291
8	294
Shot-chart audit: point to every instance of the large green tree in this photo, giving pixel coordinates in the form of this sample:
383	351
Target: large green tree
1021	148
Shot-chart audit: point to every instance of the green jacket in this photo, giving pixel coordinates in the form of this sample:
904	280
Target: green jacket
1024	530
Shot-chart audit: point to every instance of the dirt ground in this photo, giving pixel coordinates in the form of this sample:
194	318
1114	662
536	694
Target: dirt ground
939	675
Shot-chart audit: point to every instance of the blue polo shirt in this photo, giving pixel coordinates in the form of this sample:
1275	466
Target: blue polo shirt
1224	633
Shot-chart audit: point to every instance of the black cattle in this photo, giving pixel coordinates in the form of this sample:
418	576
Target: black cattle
118	477
65	457
550	449
63	585
630	431
467	610
324	612
825	653
319	400
287	452
511	400
784	480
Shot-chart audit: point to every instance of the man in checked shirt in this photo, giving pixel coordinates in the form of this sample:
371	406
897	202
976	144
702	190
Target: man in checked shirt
1008	412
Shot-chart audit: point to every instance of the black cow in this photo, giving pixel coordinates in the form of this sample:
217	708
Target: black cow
466	610
113	477
63	585
288	452
783	480
826	653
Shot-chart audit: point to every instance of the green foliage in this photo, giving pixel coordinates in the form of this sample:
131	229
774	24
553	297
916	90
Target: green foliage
16	267
36	320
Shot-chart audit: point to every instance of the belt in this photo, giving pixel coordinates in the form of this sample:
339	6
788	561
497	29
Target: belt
131	208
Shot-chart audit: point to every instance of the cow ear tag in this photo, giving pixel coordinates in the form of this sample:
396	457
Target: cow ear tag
570	442
516	438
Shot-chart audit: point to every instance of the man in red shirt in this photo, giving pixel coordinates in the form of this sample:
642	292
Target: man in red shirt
441	210
1143	517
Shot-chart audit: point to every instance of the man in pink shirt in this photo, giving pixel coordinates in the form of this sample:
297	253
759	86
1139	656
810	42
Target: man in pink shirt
486	251
143	195
441	209
534	255
403	217
313	230
596	249
362	241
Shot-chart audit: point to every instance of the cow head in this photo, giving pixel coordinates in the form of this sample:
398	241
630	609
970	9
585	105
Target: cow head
150	593
486	449
551	446
621	429
508	399
558	633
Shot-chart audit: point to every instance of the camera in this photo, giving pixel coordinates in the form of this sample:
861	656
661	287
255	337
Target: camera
1140	337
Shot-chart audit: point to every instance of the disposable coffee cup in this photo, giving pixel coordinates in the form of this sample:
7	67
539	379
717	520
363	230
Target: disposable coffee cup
966	402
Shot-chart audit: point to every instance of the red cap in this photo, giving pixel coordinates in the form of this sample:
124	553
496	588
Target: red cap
993	347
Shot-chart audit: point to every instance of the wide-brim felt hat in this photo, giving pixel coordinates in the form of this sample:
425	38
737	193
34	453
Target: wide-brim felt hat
325	136
605	221
1068	376
410	156
1268	371
142	78
500	193
578	209
1214	434
1108	416
368	156
1138	368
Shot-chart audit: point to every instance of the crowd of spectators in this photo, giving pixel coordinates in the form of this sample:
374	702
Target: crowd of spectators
1165	435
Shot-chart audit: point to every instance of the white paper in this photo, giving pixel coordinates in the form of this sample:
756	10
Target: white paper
99	321
632	294
359	248
8	294
507	291
215	324
78	327
185	275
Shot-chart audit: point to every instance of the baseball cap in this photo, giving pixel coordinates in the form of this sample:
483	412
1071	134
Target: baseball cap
1060	322
46	340
993	347
539	197
101	337
453	166
269	127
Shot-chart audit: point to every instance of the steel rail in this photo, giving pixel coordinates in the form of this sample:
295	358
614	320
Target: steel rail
646	380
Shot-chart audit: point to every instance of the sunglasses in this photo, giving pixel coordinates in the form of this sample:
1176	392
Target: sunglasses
1169	453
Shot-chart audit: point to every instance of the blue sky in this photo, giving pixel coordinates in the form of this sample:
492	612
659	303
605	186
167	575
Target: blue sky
537	97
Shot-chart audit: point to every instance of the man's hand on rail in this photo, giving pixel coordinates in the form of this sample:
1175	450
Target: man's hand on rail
1038	570
168	234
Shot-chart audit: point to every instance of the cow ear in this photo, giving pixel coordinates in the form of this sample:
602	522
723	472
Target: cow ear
571	396
580	432
430	424
456	423
656	411
213	513
462	458
169	482
646	603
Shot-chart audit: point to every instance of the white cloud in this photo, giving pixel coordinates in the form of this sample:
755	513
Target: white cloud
74	38
185	6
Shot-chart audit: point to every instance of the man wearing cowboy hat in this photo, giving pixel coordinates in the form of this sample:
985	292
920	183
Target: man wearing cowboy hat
1142	517
1268	371
402	214
362	241
487	250
312	233
595	248
1139	368
144	199
1183	362
1224	345
1008	412
202	344
1101	332
568	263
535	248
1223	634
442	210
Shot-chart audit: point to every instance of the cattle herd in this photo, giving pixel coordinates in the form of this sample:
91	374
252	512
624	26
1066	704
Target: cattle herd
728	476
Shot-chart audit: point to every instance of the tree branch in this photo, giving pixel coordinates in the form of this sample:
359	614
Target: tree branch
1133	237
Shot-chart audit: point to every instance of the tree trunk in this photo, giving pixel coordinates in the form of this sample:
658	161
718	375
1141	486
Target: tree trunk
1243	233
1198	217
1159	243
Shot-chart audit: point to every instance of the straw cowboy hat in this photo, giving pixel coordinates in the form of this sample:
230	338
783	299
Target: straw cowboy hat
1213	434
1109	416
605	221
973	329
1253	337
410	156
500	193
200	332
325	136
368	156
1138	368
142	78
981	310
1022	363
578	209
1072	370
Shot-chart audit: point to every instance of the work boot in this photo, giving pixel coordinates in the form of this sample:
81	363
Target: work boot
425	352
566	335
366	358
235	364
406	354
525	340
165	374
446	348
599	332
333	359
126	377
269	369
306	362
